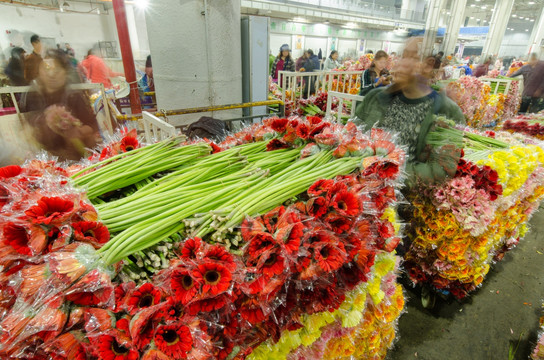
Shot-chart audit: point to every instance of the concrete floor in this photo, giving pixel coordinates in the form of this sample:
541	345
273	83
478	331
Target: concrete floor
504	312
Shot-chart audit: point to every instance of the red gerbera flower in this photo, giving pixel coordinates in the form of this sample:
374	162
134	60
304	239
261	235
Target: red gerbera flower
10	171
184	285
251	310
208	305
350	275
145	296
251	226
219	253
329	256
271	263
260	243
215	278
276	144
279	125
303	131
66	346
317	206
317	129
346	203
171	310
91	232
339	224
271	218
98	321
93	289
190	248
50	210
174	340
386	230
129	143
110	349
17	236
155	355
289	235
121	292
320	187
142	327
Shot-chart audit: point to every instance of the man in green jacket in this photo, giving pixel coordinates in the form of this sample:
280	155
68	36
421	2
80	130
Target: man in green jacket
409	108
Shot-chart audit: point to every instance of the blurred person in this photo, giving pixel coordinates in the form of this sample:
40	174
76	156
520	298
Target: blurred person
62	121
525	71
331	62
68	50
483	69
466	68
408	108
320	54
33	61
438	59
370	52
376	75
310	65
534	89
446	70
498	65
299	65
283	62
97	71
15	70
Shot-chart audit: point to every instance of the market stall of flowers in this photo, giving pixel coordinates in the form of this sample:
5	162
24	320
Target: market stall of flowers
528	124
277	243
460	227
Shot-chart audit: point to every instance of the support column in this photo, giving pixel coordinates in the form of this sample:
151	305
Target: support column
497	27
126	53
431	26
196	49
537	35
452	30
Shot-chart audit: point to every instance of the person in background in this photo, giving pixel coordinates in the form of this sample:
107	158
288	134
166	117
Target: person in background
310	65
446	69
408	108
15	70
498	65
299	64
33	61
97	71
283	62
466	68
370	52
534	89
376	75
332	61
62	121
69	51
525	71
149	73
320	54
483	69
438	59
271	59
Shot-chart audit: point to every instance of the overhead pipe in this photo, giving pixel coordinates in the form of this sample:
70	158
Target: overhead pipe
126	53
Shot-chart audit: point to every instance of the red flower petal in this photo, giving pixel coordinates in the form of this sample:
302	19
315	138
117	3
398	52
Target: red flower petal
145	296
215	278
174	340
10	171
51	211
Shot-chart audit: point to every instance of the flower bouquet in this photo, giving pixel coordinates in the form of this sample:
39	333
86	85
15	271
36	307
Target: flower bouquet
528	124
263	246
459	228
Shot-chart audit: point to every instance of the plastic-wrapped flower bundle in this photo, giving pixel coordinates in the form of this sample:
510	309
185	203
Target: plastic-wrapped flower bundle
528	124
270	242
459	228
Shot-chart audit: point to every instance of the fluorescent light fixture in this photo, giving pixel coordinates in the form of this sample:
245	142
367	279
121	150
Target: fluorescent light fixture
532	20
472	17
142	4
526	29
483	7
472	5
514	15
531	3
299	19
478	19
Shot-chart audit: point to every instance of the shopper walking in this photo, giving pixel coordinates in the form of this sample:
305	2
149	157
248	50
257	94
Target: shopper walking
331	62
310	65
483	69
299	65
97	70
534	89
376	75
283	62
408	108
15	70
526	71
33	61
62	121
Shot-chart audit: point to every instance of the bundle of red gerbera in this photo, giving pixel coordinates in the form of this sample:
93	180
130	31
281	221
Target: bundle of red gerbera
128	141
528	124
289	228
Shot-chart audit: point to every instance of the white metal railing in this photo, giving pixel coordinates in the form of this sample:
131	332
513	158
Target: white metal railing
299	85
156	129
107	125
507	82
342	97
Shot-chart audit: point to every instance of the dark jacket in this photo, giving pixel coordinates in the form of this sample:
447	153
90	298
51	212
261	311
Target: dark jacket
312	64
376	103
481	70
368	79
15	71
535	82
32	66
288	65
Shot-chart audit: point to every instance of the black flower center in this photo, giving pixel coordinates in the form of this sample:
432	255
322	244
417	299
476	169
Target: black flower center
324	252
271	260
342	205
170	336
129	148
118	349
146	301
212	277
187	282
88	233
